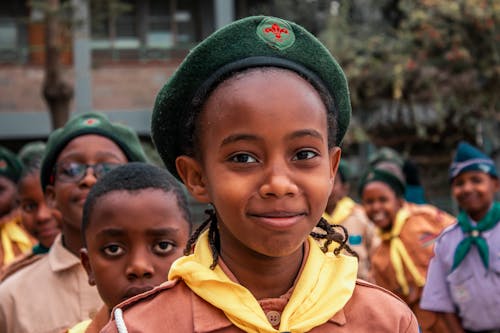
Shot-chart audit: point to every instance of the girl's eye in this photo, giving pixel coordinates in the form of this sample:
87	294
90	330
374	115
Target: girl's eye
163	247
305	155
113	250
29	207
243	158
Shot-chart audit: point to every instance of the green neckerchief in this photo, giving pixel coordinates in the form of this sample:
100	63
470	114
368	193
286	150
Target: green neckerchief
473	235
40	249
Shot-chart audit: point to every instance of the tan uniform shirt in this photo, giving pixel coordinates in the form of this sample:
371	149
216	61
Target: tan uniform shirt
418	236
50	295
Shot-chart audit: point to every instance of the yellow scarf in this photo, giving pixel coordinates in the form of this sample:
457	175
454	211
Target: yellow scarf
324	287
81	327
11	233
342	210
399	255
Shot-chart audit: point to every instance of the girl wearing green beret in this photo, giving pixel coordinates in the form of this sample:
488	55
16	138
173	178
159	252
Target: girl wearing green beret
251	123
408	232
14	240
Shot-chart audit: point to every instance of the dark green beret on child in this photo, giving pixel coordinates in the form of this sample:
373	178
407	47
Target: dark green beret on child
386	172
10	166
257	41
90	123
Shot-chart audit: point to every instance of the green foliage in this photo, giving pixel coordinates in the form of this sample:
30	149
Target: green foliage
442	55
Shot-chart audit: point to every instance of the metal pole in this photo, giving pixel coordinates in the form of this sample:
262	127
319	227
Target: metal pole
82	56
224	12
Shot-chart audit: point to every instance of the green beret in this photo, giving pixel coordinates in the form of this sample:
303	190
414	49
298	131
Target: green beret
10	166
257	41
32	153
386	154
386	172
89	123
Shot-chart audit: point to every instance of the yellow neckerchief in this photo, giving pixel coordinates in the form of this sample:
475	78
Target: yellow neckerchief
11	233
81	327
324	287
342	210
398	253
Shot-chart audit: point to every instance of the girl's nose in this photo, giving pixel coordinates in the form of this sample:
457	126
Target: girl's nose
278	183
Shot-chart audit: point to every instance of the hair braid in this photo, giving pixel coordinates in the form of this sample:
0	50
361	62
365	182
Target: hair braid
331	235
213	237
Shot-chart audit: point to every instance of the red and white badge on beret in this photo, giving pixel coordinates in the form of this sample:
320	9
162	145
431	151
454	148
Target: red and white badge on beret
91	122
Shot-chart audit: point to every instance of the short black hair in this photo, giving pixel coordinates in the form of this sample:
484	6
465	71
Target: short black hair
131	177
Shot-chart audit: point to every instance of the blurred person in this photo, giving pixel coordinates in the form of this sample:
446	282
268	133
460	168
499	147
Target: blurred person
342	209
40	220
464	274
76	156
408	232
14	240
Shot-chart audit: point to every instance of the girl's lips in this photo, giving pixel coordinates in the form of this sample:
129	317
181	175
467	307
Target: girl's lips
278	220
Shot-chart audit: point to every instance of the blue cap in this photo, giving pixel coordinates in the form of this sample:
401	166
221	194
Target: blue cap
469	158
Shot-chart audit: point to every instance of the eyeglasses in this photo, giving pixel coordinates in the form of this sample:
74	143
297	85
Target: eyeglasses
74	172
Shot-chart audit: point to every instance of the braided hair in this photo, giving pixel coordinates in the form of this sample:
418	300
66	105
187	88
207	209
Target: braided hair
323	230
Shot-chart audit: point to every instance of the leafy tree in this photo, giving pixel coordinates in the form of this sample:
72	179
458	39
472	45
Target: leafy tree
423	74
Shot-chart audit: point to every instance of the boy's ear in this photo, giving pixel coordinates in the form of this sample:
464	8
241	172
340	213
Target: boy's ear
191	174
84	258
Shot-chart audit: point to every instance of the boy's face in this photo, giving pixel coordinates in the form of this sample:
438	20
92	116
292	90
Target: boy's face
474	192
38	218
132	240
67	194
7	195
381	204
265	162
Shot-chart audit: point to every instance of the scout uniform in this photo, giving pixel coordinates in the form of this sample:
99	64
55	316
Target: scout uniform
66	297
400	263
210	300
14	240
464	275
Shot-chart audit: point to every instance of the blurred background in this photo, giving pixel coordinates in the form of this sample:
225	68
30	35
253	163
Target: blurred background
423	74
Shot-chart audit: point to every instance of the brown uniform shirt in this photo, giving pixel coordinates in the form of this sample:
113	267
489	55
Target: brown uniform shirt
173	307
418	235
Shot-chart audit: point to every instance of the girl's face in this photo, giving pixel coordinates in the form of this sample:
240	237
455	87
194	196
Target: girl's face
132	240
265	162
474	192
381	204
7	195
38	218
69	195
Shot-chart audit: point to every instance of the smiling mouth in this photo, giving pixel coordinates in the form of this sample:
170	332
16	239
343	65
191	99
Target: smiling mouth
278	220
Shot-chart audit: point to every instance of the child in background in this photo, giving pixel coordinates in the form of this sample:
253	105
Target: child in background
408	232
251	122
78	154
41	221
135	224
464	274
14	240
341	209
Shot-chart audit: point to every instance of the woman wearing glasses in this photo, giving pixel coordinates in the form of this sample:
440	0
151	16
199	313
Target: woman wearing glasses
77	155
